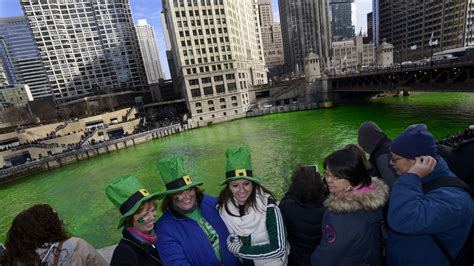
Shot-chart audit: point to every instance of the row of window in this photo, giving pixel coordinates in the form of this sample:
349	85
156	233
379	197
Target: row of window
206	69
211	102
209	90
196	12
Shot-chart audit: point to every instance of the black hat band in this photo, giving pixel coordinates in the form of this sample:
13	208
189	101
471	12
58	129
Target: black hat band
132	200
180	182
238	172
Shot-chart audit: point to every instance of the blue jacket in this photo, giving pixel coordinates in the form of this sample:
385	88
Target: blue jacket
351	228
413	216
182	242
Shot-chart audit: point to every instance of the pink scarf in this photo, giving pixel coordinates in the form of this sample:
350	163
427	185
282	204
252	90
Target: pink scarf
150	238
366	188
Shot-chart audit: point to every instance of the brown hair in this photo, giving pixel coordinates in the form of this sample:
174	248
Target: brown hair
307	185
168	200
31	229
226	195
129	220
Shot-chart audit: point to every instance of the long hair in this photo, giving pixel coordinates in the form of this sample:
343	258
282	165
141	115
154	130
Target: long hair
348	164
129	220
306	184
168	200
31	229
226	196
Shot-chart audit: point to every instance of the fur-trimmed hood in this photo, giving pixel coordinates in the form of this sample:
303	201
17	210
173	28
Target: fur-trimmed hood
359	201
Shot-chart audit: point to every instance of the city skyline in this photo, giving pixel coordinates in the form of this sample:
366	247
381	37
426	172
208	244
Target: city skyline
141	10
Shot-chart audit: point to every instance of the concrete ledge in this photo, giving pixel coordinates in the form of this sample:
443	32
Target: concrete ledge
107	252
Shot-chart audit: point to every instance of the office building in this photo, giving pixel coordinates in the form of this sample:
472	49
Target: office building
370	27
352	55
411	26
21	60
14	96
375	22
271	35
149	51
217	52
305	28
469	33
87	47
341	19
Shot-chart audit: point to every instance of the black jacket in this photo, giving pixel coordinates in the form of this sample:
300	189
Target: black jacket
303	226
130	251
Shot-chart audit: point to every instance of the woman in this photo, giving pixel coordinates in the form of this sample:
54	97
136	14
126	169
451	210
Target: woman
190	230
138	211
302	209
351	222
251	214
37	237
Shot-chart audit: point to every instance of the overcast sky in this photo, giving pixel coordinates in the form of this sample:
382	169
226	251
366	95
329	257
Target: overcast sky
151	9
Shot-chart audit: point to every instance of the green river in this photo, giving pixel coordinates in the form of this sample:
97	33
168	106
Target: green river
278	142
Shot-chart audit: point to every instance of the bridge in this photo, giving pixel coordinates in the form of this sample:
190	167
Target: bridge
448	75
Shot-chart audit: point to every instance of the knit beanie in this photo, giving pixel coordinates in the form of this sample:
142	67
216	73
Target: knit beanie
369	135
415	141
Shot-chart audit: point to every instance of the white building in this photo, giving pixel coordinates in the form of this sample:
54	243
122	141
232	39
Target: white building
217	51
149	51
351	55
87	47
271	35
14	96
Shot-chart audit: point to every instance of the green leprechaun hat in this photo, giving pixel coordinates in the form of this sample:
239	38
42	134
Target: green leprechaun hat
127	194
174	176
239	165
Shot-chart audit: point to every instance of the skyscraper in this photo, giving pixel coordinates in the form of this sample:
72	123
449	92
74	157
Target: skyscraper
411	26
341	19
21	60
370	27
149	51
87	47
218	54
305	28
375	22
271	35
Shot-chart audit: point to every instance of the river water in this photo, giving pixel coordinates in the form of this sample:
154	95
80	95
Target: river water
278	143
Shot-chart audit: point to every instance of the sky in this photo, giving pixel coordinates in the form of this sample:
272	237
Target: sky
151	10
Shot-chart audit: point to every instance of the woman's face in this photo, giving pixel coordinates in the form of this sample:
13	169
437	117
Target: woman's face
144	220
241	190
336	185
185	200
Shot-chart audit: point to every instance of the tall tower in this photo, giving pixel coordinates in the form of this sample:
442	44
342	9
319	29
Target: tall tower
22	62
217	51
341	19
271	35
87	47
305	27
375	22
149	51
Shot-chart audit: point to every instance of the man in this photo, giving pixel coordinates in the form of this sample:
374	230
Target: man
374	142
413	216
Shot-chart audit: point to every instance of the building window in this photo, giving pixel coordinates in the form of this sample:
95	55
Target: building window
206	80
196	93
218	78
220	89
199	111
231	87
223	106
193	82
211	109
230	76
222	100
198	104
233	98
208	91
210	102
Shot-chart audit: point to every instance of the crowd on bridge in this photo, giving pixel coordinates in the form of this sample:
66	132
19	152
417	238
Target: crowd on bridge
407	204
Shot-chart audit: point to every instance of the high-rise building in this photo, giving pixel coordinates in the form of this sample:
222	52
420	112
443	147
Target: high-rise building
341	19
22	62
217	52
469	33
418	28
305	28
370	27
149	51
87	47
271	35
4	80
375	22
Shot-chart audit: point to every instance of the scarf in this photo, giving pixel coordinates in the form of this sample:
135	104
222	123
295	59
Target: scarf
248	223
149	238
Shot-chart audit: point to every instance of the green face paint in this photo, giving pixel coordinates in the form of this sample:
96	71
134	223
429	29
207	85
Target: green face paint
141	220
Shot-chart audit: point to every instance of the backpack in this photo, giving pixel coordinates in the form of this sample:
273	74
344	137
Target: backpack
465	256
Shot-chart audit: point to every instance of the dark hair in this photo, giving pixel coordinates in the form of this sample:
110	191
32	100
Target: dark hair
348	164
358	150
306	184
129	220
226	195
168	200
31	229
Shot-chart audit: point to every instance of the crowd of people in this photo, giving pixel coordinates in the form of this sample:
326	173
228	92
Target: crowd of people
402	206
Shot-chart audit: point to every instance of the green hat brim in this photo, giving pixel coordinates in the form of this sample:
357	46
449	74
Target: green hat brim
255	179
157	196
183	188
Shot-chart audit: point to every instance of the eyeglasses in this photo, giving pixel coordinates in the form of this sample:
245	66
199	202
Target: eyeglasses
326	175
393	160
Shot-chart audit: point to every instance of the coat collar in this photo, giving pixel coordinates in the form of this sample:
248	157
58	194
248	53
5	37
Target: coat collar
359	201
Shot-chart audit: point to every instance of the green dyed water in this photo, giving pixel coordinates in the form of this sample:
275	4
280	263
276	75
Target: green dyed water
278	143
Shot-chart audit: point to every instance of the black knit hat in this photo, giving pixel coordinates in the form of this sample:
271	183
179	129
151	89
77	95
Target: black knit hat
369	135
